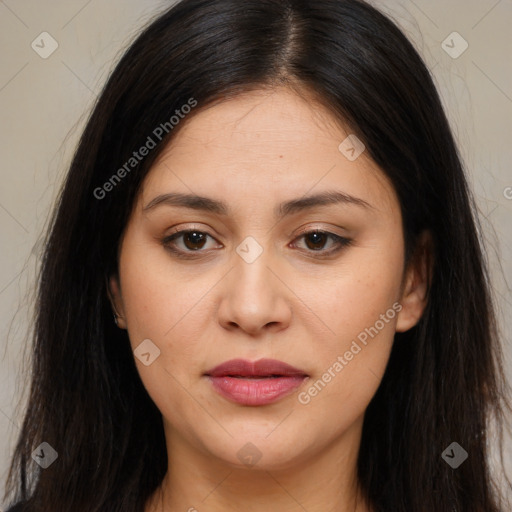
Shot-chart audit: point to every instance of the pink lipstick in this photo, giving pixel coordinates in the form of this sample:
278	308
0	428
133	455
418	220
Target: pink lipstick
260	382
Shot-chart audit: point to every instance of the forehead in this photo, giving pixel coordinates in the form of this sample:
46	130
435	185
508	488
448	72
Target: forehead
265	144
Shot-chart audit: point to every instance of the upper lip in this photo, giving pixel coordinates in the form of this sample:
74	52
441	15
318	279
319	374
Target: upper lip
260	368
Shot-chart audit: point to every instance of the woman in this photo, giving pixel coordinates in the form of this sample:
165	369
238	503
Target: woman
268	198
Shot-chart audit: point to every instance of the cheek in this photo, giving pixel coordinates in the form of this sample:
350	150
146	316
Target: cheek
169	306
157	298
360	308
351	367
366	287
159	304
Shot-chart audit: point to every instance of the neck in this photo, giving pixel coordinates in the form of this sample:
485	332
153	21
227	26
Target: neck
323	481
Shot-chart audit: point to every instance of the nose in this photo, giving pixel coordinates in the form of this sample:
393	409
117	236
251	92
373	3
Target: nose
255	298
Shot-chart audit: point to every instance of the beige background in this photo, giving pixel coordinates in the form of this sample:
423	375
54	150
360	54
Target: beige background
44	102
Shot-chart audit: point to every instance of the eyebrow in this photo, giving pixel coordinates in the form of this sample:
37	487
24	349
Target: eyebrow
285	208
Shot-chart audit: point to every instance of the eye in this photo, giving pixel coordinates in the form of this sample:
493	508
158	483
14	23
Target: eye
193	241
315	241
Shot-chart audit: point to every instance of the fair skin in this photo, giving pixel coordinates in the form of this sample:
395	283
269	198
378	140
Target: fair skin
252	153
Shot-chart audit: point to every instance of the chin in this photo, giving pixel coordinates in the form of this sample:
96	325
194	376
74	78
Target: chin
261	451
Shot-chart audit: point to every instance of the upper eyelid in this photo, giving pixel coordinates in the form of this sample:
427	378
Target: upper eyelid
305	231
302	231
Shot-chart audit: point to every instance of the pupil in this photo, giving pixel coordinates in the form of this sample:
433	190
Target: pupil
191	236
317	242
195	237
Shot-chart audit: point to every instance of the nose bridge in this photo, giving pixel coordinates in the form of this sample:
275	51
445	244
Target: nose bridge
252	296
252	275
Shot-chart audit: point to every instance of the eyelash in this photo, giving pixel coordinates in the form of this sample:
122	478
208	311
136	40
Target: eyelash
340	241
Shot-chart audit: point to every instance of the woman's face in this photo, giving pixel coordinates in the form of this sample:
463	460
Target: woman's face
249	283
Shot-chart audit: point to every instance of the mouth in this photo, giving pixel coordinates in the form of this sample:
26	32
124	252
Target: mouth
255	383
255	376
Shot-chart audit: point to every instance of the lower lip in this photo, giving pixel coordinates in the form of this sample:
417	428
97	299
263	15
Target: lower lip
247	391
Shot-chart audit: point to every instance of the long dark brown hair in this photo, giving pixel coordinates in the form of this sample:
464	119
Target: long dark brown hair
444	381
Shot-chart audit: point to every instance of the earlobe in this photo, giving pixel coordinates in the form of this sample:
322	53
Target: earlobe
417	284
114	295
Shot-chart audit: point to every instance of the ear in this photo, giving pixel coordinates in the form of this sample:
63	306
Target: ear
417	282
116	300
